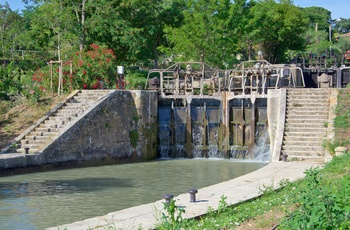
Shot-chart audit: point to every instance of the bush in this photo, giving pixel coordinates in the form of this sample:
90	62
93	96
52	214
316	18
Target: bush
136	79
8	82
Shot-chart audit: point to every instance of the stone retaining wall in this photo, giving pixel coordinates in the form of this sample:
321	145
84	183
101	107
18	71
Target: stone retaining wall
121	128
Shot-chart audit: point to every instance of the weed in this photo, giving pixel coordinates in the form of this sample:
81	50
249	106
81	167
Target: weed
134	137
222	204
172	219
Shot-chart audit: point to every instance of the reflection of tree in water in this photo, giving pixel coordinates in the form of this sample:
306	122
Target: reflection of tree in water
82	185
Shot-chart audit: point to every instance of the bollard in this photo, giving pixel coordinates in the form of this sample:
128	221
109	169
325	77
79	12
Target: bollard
192	193
27	150
285	156
168	197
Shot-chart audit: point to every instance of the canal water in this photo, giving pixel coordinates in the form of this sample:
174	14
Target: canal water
47	199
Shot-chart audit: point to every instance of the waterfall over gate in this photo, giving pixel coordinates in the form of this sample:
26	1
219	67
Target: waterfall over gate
194	129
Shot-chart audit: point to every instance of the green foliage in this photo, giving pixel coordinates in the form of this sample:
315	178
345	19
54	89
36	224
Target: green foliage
9	80
136	79
92	69
134	137
277	27
222	204
172	219
204	35
317	15
323	203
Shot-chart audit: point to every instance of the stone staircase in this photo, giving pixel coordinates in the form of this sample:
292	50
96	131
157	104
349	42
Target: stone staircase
306	123
48	128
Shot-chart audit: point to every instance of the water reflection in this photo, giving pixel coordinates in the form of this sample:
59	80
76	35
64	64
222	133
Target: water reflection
39	200
47	188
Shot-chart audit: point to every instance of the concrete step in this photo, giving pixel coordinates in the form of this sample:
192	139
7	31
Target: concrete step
306	125
310	110
305	134
31	146
308	120
75	106
46	129
33	142
308	98
303	105
305	129
307	116
307	142
302	158
305	100
303	153
31	150
308	92
32	137
303	147
310	138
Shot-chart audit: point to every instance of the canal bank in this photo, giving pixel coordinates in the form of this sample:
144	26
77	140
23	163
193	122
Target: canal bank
236	190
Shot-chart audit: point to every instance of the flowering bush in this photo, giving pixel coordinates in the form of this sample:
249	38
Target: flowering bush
92	69
37	87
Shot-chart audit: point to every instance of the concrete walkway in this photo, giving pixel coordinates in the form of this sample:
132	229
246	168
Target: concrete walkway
236	190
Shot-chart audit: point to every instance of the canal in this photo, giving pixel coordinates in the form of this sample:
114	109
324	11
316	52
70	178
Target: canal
47	199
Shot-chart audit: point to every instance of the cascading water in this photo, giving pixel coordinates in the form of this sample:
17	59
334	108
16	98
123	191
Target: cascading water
259	152
213	118
180	130
198	134
164	132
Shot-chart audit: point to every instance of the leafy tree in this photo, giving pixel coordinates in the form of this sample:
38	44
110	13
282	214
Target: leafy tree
342	26
9	80
11	28
239	18
318	17
204	35
133	29
278	27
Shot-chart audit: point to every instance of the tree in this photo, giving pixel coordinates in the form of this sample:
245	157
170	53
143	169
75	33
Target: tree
240	15
11	28
318	18
205	34
342	26
278	27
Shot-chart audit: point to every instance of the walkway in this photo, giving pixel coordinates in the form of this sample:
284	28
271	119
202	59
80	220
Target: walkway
236	190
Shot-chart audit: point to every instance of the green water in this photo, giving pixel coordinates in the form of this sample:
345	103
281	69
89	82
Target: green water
47	199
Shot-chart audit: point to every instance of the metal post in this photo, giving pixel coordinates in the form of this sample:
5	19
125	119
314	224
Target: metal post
192	193
167	198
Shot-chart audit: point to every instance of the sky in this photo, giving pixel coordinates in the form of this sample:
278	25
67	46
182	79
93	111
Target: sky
339	8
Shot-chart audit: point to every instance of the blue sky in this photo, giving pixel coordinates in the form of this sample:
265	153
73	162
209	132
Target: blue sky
339	8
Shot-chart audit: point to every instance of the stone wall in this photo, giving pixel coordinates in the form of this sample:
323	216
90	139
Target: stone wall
121	128
276	113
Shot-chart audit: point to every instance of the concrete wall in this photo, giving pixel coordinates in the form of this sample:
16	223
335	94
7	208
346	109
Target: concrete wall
276	113
121	128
